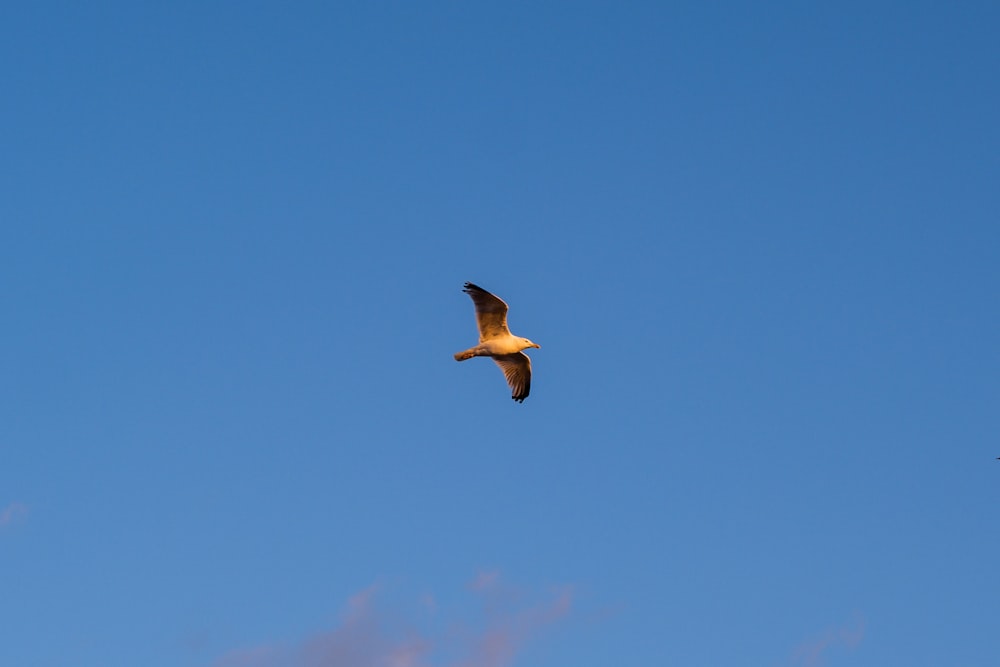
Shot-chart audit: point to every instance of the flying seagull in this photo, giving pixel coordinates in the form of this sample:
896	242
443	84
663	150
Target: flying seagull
496	340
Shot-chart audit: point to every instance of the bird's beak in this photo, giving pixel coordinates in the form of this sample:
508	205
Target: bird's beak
537	345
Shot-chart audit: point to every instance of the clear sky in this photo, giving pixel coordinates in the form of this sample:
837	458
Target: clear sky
759	244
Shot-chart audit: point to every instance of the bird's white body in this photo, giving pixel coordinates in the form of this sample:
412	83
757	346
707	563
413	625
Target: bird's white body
505	345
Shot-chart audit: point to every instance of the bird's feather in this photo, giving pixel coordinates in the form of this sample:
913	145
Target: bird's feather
517	369
491	313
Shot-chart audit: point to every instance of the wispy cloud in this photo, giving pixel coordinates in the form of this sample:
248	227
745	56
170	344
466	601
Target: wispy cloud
12	513
484	580
369	636
508	631
812	653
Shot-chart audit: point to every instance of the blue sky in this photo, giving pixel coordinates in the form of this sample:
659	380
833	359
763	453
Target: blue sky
759	247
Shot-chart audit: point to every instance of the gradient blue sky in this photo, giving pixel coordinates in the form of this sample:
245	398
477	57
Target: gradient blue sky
758	243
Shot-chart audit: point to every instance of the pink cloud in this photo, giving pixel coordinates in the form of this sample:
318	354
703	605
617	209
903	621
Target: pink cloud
484	580
812	653
13	512
508	630
368	636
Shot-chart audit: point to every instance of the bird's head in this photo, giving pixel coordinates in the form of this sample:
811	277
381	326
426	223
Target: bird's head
527	343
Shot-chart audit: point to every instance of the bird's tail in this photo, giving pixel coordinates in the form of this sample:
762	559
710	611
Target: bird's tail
467	354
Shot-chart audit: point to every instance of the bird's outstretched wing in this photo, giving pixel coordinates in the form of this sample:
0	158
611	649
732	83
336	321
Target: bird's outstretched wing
517	369
491	312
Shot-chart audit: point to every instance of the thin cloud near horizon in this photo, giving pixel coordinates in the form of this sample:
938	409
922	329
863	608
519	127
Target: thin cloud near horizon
370	635
812	653
12	513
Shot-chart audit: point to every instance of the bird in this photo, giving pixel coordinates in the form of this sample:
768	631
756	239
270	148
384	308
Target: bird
496	341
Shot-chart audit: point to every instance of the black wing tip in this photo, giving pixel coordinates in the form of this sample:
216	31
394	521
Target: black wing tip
472	287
